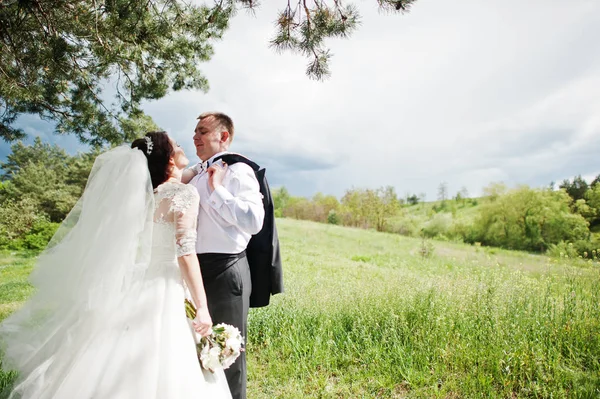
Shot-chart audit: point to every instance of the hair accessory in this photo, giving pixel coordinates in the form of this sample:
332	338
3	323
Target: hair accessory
149	145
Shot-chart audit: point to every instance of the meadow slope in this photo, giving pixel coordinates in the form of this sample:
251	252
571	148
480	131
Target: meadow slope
364	315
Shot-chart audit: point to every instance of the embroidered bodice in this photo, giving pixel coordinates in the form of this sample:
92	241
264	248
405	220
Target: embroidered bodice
175	218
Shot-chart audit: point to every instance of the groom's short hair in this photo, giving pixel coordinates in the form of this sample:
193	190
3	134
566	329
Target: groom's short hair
223	121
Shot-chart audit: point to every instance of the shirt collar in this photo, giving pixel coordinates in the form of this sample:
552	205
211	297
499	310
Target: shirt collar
211	159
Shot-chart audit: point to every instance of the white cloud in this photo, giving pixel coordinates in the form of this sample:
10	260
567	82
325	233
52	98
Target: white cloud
465	92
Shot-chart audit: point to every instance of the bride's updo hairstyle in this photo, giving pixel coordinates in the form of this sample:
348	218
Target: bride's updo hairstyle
158	149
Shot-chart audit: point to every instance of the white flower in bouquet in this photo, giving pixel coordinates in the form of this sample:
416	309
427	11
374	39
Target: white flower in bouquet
210	357
230	330
228	361
234	344
221	348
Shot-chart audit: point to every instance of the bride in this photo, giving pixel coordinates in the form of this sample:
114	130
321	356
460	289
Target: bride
107	320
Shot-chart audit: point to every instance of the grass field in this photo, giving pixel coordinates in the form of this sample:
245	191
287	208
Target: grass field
365	316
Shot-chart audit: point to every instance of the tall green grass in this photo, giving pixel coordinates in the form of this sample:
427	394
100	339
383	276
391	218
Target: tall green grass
365	316
15	267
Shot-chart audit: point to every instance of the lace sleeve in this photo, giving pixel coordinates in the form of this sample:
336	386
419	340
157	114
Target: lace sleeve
185	211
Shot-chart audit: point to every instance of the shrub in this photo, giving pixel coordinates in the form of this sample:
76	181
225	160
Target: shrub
562	250
40	235
332	217
17	219
405	225
529	219
426	248
439	225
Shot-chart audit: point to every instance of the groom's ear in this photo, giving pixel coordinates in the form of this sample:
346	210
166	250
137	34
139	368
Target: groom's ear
224	136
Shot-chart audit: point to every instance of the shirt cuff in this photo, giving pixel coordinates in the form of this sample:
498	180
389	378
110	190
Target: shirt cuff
218	196
197	168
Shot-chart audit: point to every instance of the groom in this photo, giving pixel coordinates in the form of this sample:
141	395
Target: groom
231	211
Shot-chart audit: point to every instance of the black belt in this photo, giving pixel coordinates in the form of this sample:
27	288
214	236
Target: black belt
213	264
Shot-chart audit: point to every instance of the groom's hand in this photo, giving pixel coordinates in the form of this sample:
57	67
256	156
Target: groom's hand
216	174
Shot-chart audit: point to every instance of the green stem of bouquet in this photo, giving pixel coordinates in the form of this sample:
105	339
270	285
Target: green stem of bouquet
190	309
190	312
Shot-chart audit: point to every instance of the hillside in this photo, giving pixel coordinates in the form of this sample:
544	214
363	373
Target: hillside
365	315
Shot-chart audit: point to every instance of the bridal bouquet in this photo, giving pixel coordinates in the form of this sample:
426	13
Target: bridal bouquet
221	348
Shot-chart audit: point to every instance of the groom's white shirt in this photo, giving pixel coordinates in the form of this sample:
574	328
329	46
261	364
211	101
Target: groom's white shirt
230	215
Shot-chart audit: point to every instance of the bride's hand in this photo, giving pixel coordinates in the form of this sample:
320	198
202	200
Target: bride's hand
203	322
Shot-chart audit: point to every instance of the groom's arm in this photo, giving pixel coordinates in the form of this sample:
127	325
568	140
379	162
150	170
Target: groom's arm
240	201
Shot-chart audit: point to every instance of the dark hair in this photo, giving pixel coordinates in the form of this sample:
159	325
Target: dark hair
223	121
158	159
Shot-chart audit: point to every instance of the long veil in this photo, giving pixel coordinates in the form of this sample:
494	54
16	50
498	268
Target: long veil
95	261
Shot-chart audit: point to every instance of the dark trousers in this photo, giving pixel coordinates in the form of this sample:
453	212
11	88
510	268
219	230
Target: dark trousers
228	285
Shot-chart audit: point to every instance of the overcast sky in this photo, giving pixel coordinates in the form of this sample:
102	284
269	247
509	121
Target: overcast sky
467	92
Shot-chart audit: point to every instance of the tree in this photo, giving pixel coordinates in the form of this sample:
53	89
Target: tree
46	155
324	205
494	190
299	208
385	204
370	208
412	199
443	192
46	176
281	196
592	198
575	189
529	219
56	56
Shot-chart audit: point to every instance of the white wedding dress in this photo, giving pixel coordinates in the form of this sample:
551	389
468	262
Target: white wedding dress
123	335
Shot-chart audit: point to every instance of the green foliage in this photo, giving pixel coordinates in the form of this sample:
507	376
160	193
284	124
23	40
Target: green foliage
299	208
17	219
304	27
332	217
592	201
460	324
280	196
57	56
370	208
523	218
439	226
563	250
41	185
365	316
404	224
576	188
324	206
426	248
529	219
46	175
40	235
412	199
443	192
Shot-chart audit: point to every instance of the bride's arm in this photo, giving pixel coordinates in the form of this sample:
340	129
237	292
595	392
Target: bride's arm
188	174
185	212
190	269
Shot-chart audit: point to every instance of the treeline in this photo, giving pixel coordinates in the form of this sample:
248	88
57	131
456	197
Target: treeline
40	183
563	221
